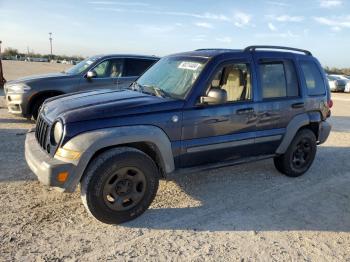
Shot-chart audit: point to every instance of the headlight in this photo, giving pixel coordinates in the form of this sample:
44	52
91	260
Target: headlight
18	88
56	132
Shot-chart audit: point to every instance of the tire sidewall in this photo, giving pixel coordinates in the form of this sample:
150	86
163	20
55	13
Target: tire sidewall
100	174
310	136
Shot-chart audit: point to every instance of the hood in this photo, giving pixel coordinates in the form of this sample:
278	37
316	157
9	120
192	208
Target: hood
37	77
106	103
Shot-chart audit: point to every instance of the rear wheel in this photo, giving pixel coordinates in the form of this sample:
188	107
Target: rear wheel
299	155
119	185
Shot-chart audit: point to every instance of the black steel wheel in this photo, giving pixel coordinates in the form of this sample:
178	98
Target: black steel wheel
299	156
119	185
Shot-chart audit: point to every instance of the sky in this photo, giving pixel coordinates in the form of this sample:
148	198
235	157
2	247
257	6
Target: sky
89	27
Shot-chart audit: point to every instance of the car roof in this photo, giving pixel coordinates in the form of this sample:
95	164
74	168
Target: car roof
213	52
126	56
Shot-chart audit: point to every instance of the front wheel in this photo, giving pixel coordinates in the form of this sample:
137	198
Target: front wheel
299	156
119	185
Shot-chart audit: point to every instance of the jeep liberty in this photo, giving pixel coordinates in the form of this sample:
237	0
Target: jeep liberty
190	111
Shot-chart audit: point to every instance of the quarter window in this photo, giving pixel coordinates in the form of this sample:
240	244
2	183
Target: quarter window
313	78
278	79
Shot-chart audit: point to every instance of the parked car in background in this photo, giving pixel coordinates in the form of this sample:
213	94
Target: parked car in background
336	84
345	78
191	111
25	96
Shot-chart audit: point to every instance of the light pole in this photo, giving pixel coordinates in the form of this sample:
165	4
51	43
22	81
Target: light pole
50	34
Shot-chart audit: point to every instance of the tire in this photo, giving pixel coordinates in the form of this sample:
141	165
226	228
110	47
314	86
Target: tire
36	107
299	156
119	185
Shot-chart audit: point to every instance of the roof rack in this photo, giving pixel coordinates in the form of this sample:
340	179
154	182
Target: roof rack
254	47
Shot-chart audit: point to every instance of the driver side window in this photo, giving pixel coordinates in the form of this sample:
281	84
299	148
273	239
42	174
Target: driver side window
235	80
109	68
101	69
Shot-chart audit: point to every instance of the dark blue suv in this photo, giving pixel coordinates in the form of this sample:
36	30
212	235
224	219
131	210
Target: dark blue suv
190	111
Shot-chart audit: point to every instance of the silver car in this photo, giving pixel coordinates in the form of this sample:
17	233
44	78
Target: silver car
25	96
336	83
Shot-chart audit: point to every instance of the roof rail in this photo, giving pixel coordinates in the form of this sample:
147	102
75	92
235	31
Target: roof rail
254	47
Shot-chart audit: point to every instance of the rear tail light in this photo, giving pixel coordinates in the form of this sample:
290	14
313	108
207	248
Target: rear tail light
330	103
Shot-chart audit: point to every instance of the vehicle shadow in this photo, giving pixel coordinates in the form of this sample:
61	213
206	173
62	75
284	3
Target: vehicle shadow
256	197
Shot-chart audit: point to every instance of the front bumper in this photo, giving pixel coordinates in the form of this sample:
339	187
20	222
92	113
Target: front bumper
323	131
17	103
44	166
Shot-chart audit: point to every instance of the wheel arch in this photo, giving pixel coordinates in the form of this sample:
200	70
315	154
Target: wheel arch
149	139
310	120
37	96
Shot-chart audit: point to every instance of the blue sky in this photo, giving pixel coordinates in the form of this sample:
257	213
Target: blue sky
162	27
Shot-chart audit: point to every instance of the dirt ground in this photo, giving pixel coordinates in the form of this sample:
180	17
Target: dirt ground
248	212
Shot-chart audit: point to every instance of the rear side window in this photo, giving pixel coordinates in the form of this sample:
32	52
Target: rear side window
313	78
136	67
278	79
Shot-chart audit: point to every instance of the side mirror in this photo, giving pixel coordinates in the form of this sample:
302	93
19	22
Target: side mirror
91	74
215	96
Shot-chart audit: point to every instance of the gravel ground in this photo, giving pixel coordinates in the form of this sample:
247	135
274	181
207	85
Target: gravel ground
246	212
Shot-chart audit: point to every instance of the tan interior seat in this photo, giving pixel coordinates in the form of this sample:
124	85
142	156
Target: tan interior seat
233	83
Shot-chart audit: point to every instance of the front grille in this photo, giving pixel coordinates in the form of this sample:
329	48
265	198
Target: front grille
41	130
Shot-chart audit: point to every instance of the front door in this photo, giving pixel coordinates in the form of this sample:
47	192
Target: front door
221	132
107	74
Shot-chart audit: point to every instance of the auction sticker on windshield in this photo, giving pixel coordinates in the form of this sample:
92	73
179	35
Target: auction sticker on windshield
189	65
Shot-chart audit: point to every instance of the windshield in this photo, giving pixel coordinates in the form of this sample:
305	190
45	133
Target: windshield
173	76
82	66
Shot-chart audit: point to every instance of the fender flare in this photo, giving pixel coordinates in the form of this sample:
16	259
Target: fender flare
90	142
294	125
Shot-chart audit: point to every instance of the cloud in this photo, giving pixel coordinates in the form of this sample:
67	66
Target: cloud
204	25
199	38
225	39
276	3
155	29
118	3
330	3
272	27
336	24
207	15
286	18
288	34
242	19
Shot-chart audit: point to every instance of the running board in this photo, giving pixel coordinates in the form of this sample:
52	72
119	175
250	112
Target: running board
211	166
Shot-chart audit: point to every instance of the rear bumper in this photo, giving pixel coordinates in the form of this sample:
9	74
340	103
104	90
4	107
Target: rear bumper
45	167
323	131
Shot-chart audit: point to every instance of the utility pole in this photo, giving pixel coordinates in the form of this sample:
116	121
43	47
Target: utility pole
50	34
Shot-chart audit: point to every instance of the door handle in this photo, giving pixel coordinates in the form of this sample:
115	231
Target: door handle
245	111
298	105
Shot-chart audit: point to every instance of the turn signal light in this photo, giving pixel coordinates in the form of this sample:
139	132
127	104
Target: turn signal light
62	176
330	103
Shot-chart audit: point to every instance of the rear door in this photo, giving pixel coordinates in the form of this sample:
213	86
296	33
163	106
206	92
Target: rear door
133	68
280	99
